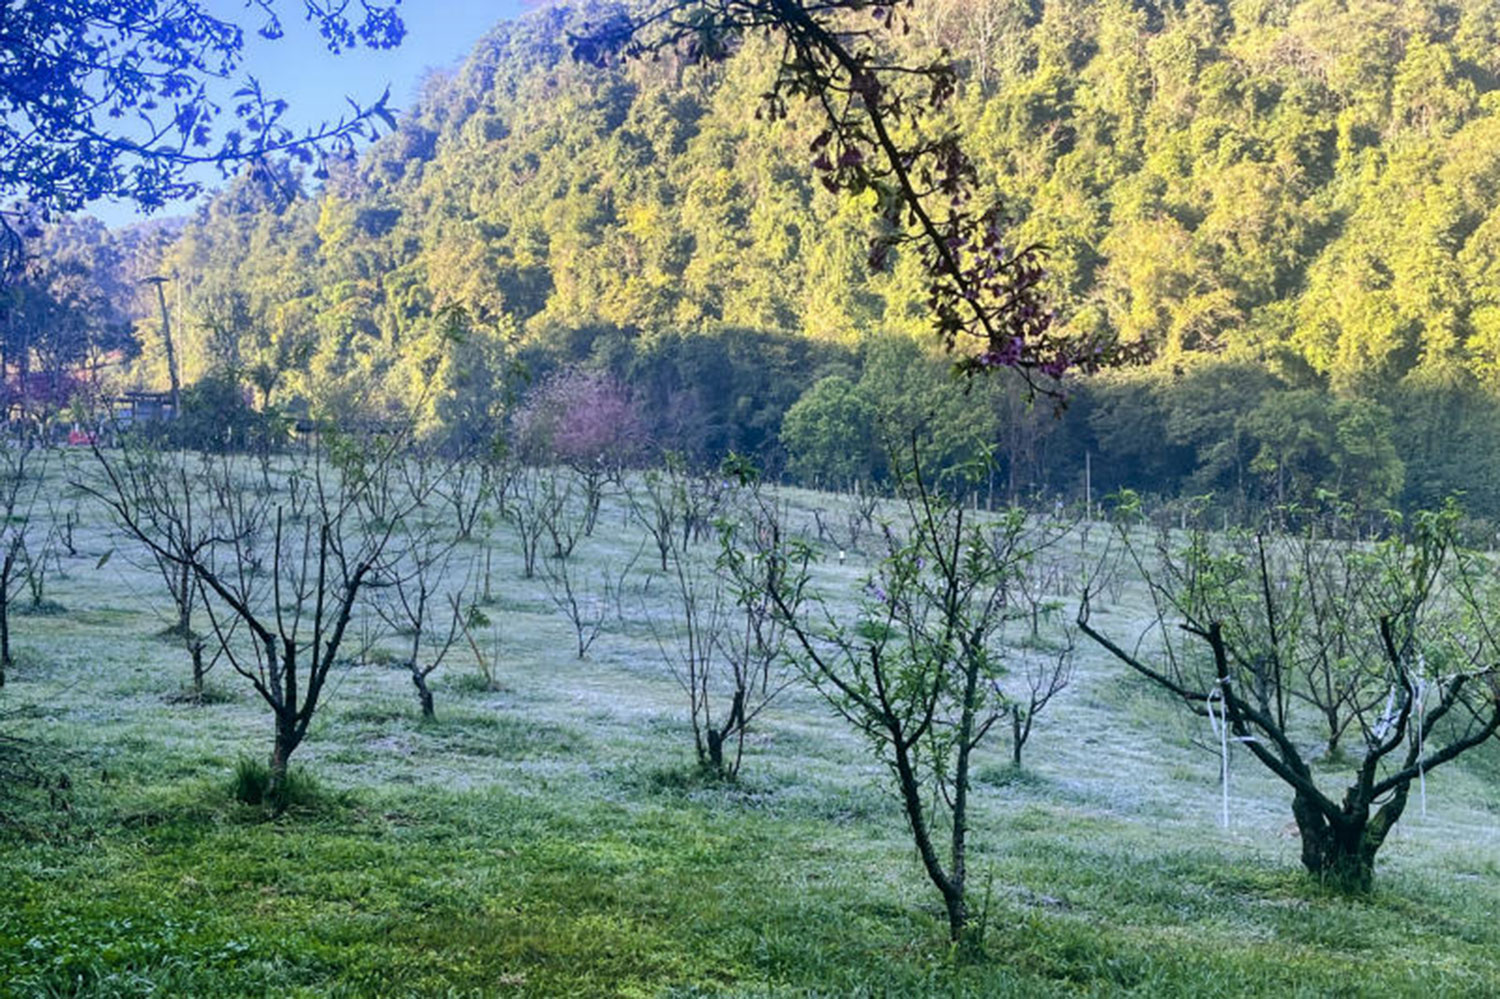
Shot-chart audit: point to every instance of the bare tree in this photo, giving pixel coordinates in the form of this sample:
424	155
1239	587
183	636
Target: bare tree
586	603
564	518
1395	641
531	507
689	643
166	487
680	506
1043	661
279	574
467	489
417	600
67	521
502	476
757	564
23	467
859	520
703	496
64	509
661	512
824	532
713	643
1043	674
43	560
860	515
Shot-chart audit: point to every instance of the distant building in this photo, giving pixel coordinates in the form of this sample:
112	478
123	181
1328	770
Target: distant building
137	406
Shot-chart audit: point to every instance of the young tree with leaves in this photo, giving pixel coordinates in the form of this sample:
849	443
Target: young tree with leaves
918	671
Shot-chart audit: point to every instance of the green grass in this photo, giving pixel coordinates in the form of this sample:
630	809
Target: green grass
426	892
552	838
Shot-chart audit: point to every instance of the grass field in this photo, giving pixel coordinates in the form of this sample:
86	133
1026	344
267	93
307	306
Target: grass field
553	838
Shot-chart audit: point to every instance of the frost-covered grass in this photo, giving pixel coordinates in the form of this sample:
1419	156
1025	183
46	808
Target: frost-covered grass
552	838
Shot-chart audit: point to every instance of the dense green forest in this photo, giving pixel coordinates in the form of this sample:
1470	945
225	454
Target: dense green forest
1294	203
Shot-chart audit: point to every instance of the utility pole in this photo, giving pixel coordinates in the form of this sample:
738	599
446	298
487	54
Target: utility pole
166	336
1088	485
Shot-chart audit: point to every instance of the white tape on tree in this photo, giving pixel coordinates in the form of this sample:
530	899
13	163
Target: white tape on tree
1220	722
1422	740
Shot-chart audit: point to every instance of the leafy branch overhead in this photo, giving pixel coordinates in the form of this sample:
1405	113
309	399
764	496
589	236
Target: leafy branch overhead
985	292
115	98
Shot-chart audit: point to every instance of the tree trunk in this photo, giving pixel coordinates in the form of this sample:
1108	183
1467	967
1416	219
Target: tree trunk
958	914
1342	854
594	495
716	750
195	649
951	886
281	752
735	724
1017	739
6	662
184	603
423	693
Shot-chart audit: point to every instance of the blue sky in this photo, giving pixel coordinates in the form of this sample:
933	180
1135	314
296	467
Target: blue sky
298	68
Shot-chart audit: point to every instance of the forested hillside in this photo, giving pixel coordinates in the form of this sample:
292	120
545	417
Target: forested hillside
1294	203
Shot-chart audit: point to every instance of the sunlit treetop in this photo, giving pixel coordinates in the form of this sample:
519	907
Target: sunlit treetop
985	293
115	99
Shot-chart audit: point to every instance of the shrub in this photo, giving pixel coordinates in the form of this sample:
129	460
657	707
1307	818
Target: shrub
251	785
